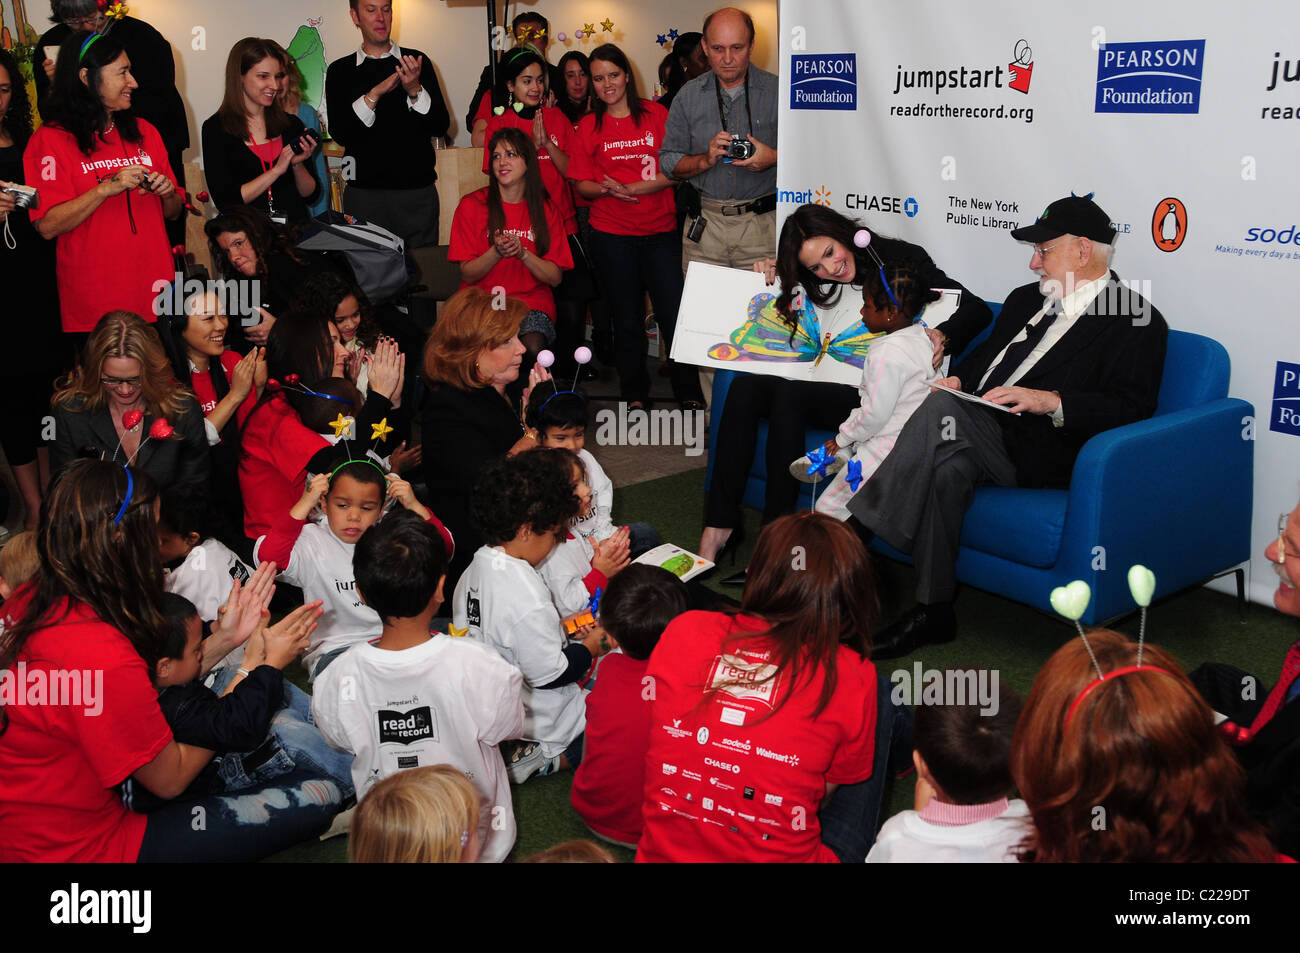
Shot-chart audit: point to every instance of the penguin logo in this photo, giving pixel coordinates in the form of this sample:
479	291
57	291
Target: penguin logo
1169	224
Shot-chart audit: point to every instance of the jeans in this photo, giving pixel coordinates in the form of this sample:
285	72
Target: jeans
629	267
295	730
641	538
244	826
850	817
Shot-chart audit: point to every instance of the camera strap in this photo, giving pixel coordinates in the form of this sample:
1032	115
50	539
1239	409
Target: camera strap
722	114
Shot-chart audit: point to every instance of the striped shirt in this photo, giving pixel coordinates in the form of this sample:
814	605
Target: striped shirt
693	121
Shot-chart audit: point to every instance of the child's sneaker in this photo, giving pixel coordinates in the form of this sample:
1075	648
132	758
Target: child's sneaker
799	469
526	759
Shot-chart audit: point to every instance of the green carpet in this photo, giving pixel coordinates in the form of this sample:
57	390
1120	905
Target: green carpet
1196	626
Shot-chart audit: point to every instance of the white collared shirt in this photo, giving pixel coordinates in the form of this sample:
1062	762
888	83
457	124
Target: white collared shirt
421	103
1072	306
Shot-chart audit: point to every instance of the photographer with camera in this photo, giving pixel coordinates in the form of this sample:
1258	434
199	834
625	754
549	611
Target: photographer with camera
717	137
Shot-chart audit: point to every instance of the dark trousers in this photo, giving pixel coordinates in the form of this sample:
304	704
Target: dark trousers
850	817
175	227
629	267
790	408
918	498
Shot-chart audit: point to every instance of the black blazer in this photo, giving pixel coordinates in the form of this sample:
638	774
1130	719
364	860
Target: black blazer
180	461
228	163
1272	763
1107	369
972	315
462	431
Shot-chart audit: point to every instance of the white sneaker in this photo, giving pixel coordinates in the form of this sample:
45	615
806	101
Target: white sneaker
799	469
526	759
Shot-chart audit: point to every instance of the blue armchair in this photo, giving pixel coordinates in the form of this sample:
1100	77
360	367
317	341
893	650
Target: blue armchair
1173	492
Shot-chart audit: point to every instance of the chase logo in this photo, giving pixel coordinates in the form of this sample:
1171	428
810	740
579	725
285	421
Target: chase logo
1286	400
1158	77
824	81
406	727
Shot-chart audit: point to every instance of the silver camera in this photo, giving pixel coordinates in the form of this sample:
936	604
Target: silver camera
25	196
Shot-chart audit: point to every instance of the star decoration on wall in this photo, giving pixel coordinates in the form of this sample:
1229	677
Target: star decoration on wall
589	28
672	34
607	25
661	39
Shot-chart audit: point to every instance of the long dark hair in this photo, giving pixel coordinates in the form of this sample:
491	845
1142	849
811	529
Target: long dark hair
574	110
299	343
612	54
18	119
534	191
233	112
266	236
75	106
810	580
514	63
816	221
113	567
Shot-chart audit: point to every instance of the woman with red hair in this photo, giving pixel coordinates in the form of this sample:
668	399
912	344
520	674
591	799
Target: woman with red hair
1127	767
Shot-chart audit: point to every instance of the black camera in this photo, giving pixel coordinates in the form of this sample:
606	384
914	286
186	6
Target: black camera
297	146
740	148
696	231
24	195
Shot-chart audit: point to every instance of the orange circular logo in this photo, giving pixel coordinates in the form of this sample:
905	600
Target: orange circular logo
1169	224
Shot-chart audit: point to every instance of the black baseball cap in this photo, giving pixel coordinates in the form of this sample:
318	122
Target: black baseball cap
1076	215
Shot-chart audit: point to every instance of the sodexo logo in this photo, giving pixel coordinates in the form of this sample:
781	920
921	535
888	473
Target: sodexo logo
824	81
1281	235
1169	224
1157	77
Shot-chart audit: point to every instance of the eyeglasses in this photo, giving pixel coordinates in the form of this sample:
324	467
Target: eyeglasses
1042	250
85	23
120	383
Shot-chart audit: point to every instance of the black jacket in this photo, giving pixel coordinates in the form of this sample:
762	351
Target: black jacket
182	460
228	163
1107	369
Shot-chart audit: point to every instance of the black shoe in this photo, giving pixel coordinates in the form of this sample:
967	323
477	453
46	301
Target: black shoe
925	625
737	579
729	548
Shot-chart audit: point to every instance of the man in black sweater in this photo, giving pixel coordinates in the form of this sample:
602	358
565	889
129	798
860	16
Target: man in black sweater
385	107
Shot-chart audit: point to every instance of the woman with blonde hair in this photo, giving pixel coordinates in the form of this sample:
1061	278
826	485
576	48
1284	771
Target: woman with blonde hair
471	360
1118	758
253	153
291	83
123	404
425	815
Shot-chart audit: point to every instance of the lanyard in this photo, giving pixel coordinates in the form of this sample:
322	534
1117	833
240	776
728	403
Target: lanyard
266	167
749	117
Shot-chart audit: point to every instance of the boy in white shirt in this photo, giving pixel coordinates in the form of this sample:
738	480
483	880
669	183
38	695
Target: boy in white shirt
520	504
317	557
962	757
198	566
895	379
414	698
560	419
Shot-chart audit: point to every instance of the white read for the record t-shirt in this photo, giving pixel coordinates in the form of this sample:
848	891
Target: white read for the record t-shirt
445	701
503	602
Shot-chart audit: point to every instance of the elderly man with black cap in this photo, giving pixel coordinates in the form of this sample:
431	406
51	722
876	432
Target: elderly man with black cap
1071	355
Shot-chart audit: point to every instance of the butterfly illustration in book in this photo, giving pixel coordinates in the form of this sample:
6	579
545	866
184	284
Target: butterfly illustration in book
766	337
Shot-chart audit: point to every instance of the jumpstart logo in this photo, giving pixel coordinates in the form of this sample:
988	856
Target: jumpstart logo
1286	400
824	81
1163	76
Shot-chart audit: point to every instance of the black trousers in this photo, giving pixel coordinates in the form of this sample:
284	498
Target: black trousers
790	408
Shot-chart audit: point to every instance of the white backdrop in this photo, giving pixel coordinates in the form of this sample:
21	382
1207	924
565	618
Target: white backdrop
904	115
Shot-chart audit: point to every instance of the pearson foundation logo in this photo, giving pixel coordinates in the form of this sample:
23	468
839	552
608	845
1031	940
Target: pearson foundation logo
824	81
1286	400
1157	77
1169	224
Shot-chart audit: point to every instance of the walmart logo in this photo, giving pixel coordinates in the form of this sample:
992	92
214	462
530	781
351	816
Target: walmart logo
819	196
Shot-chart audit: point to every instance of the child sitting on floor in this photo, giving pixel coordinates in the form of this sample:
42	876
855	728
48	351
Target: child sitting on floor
19	561
318	556
895	379
962	756
421	816
579	566
198	565
609	786
560	418
415	698
520	504
236	724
